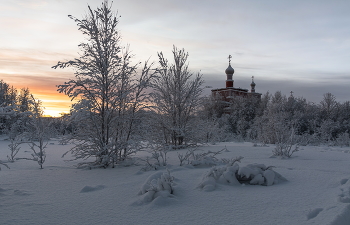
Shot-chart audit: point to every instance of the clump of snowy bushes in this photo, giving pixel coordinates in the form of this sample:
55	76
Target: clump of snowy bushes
343	140
158	157
200	159
158	185
192	157
233	174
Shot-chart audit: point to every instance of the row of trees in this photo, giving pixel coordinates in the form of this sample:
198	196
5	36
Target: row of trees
21	118
14	104
277	117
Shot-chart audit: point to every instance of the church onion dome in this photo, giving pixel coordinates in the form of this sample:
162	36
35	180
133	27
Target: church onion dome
229	70
252	84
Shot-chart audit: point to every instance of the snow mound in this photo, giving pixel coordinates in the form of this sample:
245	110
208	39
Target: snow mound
90	189
343	218
344	196
254	174
157	187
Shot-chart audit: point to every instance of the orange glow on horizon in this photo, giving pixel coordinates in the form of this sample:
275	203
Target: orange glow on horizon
29	68
53	103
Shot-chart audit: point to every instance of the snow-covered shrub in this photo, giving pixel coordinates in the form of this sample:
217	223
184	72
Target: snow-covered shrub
327	131
200	159
254	174
14	148
4	164
286	143
308	139
343	139
224	175
285	149
158	157
158	185
232	161
260	145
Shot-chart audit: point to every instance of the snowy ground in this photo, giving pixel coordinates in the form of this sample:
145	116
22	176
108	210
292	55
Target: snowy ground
317	191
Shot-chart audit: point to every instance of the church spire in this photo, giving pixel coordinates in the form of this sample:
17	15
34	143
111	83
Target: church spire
252	85
229	73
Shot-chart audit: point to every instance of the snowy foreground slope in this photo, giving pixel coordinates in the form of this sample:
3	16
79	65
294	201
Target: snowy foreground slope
317	191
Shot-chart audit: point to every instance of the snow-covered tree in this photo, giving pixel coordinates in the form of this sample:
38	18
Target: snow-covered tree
328	106
24	100
8	94
37	132
8	106
111	90
176	97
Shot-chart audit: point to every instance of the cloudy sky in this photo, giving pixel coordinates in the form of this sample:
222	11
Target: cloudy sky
301	46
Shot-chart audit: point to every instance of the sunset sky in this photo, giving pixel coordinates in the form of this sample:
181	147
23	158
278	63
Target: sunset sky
301	46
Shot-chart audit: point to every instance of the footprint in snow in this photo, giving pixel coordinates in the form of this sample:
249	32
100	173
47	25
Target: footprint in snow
313	213
2	191
20	193
344	197
343	181
90	189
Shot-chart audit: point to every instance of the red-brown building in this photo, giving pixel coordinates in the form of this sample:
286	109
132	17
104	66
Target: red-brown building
230	91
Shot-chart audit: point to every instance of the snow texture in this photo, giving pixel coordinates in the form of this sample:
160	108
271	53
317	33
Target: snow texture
317	190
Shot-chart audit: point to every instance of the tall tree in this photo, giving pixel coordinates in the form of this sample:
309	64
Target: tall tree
176	96
328	106
111	91
24	100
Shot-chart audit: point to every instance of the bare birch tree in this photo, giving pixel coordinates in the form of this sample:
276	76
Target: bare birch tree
110	89
176	97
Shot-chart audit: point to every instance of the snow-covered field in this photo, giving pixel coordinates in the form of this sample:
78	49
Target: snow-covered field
317	191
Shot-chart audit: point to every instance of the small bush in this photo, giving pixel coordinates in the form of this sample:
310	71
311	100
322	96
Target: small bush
157	185
286	144
200	159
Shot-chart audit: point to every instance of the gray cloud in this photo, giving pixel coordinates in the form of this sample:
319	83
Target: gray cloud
303	46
